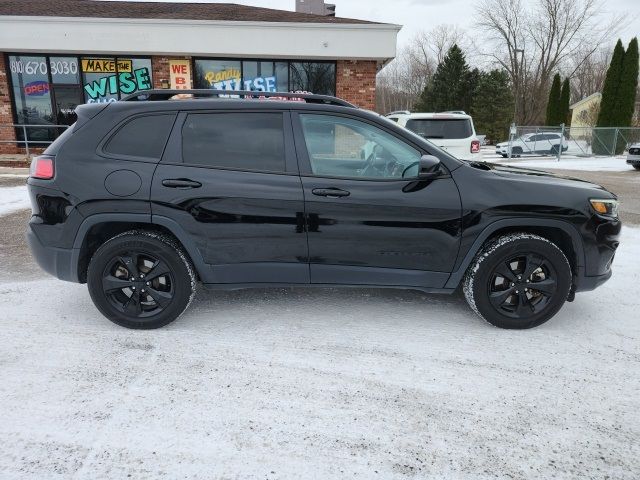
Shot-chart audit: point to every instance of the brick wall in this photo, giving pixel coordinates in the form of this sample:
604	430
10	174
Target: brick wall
356	82
160	69
6	111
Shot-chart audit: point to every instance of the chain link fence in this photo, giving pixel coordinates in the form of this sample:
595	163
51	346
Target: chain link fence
535	141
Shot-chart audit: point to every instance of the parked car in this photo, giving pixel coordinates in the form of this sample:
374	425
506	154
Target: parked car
633	158
451	131
144	200
543	143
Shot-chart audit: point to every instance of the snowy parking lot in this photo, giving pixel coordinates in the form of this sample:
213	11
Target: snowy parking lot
317	383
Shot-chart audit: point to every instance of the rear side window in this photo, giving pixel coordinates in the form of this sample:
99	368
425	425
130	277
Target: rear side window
441	128
246	141
141	137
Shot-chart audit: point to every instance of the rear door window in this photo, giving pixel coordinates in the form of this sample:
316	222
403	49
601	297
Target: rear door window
141	137
244	141
451	128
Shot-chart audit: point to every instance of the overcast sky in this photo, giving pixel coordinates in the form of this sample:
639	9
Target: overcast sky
415	15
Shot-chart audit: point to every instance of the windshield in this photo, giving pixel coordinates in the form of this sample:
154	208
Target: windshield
449	128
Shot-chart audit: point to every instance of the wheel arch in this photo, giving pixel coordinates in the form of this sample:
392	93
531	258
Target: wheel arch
562	233
96	229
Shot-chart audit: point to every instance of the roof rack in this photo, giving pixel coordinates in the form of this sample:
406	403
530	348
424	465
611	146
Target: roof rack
164	94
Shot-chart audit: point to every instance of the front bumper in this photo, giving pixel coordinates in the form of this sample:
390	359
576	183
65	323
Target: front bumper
633	159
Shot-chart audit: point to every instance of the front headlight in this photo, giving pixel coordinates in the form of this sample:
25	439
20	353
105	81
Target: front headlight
607	206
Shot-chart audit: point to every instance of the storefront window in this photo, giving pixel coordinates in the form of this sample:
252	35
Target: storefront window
265	76
64	70
269	76
32	96
218	74
314	77
107	79
47	89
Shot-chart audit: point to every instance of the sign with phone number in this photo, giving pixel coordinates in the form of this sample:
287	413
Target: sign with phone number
33	67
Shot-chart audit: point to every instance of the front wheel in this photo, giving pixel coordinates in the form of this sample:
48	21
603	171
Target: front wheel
636	166
141	280
518	281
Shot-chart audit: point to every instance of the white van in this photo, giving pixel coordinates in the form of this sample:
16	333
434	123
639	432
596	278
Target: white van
451	131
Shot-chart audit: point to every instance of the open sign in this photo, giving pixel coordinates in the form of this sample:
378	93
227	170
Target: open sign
37	88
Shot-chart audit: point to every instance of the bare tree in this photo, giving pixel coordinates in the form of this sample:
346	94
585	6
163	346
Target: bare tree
532	43
587	72
433	45
401	82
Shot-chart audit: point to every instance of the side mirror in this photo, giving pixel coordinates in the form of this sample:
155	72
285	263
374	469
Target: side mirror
429	167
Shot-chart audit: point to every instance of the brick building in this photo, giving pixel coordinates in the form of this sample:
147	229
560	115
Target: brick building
56	55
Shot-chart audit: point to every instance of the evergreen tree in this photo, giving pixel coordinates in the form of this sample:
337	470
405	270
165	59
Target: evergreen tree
608	115
553	104
603	140
449	88
565	95
626	98
492	107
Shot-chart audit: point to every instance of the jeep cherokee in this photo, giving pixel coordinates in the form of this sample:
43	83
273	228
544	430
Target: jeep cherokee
144	198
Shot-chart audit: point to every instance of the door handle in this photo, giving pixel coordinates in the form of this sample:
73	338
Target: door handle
180	183
330	192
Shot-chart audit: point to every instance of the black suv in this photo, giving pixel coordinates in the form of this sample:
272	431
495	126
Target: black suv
146	197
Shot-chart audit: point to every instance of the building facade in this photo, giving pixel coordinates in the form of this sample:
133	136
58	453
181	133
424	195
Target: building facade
57	55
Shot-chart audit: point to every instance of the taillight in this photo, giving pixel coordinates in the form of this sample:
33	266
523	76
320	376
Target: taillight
475	146
42	167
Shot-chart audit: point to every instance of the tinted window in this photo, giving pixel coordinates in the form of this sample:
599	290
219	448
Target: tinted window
441	128
142	137
247	141
345	147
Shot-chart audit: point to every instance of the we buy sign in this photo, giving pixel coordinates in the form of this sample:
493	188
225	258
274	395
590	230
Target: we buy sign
180	74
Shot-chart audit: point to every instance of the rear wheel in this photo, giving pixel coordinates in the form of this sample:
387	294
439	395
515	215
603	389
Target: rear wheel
518	281
141	280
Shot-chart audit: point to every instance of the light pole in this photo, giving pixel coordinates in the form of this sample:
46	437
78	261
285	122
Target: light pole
517	81
516	88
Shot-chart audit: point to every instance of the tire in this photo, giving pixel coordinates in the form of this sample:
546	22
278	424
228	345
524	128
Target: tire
636	166
516	151
504	155
141	279
500	284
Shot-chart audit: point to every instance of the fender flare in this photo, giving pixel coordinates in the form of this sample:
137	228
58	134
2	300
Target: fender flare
173	227
576	240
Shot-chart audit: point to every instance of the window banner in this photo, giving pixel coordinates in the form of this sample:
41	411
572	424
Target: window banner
106	79
179	74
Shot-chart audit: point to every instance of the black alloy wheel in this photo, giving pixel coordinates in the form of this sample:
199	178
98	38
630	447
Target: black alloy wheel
138	284
519	280
522	286
141	279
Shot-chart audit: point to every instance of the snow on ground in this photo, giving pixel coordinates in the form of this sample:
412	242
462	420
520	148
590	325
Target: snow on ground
326	383
13	199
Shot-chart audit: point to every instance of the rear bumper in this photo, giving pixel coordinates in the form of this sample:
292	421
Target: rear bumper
55	261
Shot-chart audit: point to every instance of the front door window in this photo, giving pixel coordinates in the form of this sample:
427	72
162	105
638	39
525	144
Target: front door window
345	147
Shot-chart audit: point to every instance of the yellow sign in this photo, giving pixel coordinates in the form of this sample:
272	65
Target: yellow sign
223	76
180	74
105	65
